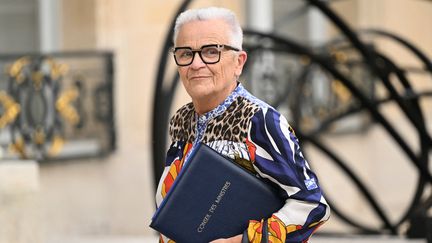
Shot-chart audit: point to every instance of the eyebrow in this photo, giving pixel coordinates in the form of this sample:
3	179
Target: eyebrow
177	47
222	45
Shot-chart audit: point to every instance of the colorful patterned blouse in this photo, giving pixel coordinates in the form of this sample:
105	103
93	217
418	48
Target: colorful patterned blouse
260	139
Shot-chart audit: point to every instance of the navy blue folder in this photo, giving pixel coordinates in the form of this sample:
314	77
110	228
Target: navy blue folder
213	197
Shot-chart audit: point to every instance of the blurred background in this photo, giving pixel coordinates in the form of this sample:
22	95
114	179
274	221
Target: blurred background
86	93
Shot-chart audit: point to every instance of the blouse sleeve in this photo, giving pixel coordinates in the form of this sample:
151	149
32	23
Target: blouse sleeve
278	158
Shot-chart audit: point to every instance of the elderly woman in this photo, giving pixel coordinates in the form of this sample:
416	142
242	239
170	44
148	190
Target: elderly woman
225	116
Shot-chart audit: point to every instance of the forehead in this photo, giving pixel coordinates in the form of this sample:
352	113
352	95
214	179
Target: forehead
201	32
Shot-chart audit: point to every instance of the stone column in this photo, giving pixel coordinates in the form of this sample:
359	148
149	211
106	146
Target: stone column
20	220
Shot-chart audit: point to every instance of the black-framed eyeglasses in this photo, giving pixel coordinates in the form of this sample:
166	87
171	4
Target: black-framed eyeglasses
209	54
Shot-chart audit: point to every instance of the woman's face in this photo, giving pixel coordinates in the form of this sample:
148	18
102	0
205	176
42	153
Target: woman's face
209	81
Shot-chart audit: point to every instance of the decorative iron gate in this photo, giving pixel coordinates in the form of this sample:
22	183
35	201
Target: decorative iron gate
57	106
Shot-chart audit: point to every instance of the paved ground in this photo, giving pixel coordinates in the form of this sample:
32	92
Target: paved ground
153	239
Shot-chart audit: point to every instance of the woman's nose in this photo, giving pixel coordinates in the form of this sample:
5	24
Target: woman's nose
197	61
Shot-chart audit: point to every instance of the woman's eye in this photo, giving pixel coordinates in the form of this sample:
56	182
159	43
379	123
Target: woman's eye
210	51
186	54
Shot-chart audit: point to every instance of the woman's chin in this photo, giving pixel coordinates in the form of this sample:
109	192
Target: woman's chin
199	93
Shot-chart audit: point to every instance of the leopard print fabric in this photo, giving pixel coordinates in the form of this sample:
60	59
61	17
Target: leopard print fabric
232	125
182	124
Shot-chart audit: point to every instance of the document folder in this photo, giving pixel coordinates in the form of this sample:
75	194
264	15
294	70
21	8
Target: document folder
213	197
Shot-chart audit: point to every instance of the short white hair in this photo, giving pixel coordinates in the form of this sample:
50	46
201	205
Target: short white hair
212	13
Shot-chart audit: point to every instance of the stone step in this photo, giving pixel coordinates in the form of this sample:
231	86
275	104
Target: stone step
315	239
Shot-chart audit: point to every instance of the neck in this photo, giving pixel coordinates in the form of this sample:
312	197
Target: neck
202	107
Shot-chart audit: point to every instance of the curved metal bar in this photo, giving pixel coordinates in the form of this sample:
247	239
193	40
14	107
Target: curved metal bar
413	111
371	60
413	100
428	66
360	185
415	50
358	108
322	61
326	65
160	119
424	145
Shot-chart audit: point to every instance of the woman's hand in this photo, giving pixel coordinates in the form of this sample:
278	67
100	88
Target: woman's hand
234	239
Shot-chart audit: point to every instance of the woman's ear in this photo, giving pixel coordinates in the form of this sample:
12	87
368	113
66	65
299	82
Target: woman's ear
241	60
